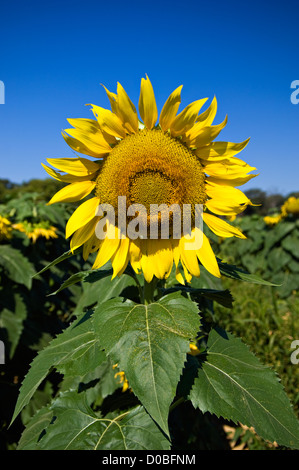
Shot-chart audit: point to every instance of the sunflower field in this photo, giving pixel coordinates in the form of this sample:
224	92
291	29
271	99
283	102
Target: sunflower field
58	380
120	331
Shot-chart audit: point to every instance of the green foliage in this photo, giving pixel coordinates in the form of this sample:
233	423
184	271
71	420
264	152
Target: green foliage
43	189
71	334
233	383
150	343
18	268
77	427
270	252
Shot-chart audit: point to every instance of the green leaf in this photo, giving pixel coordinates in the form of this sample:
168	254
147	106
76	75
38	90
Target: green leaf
206	280
222	297
11	323
87	276
19	269
232	383
97	292
290	244
34	429
277	233
277	259
77	427
294	266
65	255
75	351
234	272
91	276
149	342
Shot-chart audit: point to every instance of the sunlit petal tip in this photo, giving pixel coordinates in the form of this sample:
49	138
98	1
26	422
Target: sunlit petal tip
187	117
82	215
207	257
179	277
206	118
170	109
75	166
109	122
73	192
221	228
113	99
127	110
147	103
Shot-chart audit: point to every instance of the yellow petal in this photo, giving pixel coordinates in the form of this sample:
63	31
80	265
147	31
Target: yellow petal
207	257
147	104
207	134
92	128
135	255
203	120
78	146
121	257
185	120
127	111
231	172
170	109
107	249
94	142
228	168
92	244
157	259
175	244
145	261
89	133
162	258
179	277
109	122
188	256
87	125
83	234
82	215
147	268
73	192
232	180
220	227
123	107
226	200
66	178
113	98
75	166
207	117
217	151
187	275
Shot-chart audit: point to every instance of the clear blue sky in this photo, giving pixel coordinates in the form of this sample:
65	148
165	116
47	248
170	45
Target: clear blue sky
54	55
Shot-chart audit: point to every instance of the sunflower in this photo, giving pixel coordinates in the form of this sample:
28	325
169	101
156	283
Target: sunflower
33	231
291	206
272	219
5	228
151	160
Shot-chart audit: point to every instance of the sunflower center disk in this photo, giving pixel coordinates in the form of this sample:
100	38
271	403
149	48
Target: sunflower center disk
152	187
151	168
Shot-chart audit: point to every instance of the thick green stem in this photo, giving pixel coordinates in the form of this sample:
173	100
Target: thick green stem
176	403
148	291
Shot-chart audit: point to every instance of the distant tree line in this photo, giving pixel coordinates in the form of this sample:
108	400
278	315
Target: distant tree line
45	188
267	202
